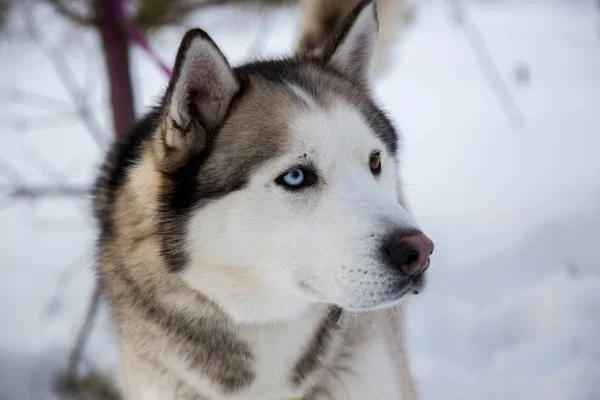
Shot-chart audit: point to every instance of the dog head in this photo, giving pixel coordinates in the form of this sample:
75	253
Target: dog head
280	180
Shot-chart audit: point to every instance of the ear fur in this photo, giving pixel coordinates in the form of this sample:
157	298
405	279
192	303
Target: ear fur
352	49
198	98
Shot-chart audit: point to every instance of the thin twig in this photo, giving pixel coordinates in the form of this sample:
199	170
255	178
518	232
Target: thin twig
77	95
486	62
22	96
43	166
265	29
38	191
66	75
85	20
10	173
64	279
37	123
84	333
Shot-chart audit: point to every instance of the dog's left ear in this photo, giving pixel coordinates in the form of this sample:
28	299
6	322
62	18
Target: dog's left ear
351	51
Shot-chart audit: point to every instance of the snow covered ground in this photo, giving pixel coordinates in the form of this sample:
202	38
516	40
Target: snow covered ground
513	306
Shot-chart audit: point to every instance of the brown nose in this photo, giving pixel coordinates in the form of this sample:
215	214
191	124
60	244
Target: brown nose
410	253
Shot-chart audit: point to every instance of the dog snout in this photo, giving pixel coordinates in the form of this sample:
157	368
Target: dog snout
409	252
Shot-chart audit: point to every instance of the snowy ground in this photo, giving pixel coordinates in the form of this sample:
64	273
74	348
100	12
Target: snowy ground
513	305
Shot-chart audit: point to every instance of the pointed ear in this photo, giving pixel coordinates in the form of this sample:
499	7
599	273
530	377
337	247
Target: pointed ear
198	98
352	49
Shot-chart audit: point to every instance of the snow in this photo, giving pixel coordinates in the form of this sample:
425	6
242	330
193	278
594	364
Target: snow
513	305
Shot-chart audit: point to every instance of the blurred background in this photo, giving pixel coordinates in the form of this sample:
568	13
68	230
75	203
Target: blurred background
499	105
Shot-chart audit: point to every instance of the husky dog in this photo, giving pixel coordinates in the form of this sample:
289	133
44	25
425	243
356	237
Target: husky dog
252	243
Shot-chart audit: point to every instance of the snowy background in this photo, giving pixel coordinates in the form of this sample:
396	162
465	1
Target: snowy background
513	306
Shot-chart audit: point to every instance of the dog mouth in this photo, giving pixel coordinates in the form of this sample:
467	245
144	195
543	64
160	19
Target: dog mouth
390	297
417	283
413	285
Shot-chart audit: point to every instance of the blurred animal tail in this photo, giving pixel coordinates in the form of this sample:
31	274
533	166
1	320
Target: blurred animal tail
319	19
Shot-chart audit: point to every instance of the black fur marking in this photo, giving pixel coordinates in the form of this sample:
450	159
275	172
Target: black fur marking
203	344
319	392
310	359
381	125
190	190
124	153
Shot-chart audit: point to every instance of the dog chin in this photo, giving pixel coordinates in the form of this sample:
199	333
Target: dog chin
401	293
409	288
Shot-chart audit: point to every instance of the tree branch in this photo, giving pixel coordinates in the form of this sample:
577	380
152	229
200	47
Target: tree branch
84	20
22	96
265	30
66	75
486	62
56	191
65	277
84	332
10	173
115	46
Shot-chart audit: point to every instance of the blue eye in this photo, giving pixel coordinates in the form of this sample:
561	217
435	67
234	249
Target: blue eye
294	178
297	178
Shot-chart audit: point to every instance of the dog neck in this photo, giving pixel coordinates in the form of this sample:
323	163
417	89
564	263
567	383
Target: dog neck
242	296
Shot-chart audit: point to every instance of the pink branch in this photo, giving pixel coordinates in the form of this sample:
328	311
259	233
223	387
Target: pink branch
136	37
116	55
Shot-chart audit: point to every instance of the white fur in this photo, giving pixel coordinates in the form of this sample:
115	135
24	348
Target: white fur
264	253
302	94
372	373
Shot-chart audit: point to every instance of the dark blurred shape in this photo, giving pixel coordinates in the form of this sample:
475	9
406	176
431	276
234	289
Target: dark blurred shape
92	386
321	19
4	9
522	73
156	14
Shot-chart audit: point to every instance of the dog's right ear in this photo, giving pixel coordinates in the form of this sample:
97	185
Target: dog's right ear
352	50
198	98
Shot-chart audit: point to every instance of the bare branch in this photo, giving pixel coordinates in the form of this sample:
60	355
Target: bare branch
486	62
265	29
66	75
84	332
39	122
44	166
57	178
22	96
63	280
38	191
10	173
80	19
77	95
115	51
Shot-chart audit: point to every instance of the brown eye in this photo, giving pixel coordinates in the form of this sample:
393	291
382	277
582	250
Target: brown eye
375	163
